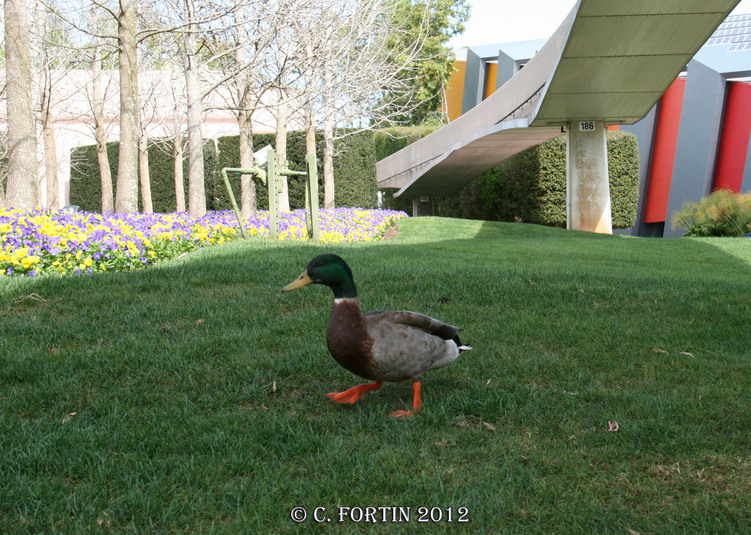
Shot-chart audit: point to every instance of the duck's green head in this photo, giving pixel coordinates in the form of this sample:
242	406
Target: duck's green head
330	270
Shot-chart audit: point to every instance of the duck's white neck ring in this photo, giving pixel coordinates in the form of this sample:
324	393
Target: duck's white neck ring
339	300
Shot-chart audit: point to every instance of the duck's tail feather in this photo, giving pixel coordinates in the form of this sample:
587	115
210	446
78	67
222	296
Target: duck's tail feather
459	344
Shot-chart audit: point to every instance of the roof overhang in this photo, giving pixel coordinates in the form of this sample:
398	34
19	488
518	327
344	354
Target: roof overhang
608	61
620	57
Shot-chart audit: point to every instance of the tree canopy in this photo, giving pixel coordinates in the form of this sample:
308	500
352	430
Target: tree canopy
434	22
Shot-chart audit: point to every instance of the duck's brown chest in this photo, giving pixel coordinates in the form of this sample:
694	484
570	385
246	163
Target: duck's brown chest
348	338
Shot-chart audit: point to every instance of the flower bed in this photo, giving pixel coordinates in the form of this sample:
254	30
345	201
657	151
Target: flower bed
33	242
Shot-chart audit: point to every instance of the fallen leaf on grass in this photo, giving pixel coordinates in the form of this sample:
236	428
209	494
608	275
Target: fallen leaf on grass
68	417
489	426
658	350
273	386
688	354
33	297
613	427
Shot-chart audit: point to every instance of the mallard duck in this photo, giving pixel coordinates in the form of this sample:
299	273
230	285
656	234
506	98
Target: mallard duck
380	345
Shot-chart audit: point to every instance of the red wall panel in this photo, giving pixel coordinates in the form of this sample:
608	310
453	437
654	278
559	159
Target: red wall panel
663	152
736	130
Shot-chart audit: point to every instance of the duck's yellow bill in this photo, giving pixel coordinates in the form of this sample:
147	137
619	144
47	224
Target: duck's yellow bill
299	282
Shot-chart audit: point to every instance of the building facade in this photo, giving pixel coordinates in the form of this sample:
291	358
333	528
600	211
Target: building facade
694	141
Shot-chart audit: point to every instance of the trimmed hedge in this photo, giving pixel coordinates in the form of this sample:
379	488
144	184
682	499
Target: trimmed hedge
623	166
86	184
354	172
390	140
532	186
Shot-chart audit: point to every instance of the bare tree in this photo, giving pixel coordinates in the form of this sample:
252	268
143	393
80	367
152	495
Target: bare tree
193	26
177	154
75	38
351	68
196	189
328	60
100	135
178	145
126	194
255	26
21	190
243	88
131	145
48	133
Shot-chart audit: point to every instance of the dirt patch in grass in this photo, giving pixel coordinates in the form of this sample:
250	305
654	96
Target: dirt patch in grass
391	232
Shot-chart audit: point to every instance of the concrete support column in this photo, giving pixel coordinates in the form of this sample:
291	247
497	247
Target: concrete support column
422	206
587	181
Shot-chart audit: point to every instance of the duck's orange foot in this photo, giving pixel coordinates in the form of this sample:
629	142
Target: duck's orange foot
354	393
416	404
401	413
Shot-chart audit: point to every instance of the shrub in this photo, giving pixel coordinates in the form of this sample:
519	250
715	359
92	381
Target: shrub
354	172
723	213
86	184
531	186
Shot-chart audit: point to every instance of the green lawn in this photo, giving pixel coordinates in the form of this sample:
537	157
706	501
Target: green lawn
190	397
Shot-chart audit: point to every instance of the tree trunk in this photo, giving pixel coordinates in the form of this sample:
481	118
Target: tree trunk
328	163
310	132
196	188
143	173
328	143
282	113
48	137
248	202
126	194
177	152
97	105
21	190
48	134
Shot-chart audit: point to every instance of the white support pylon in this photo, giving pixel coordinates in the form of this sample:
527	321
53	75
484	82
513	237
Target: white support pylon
587	180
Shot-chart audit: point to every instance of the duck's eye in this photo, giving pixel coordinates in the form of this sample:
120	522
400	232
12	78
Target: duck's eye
320	263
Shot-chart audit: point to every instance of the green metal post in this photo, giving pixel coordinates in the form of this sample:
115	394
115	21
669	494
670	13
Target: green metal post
311	199
234	204
258	174
270	177
273	183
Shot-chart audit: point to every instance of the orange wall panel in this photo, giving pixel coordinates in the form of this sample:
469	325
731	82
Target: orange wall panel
455	91
490	78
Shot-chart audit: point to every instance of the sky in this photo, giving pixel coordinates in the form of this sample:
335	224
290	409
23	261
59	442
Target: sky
505	21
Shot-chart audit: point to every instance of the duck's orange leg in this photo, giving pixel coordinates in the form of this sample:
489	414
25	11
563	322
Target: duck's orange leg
354	393
416	404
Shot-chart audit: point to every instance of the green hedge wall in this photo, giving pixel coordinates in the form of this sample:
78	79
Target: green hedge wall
532	186
354	169
623	165
86	184
354	172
